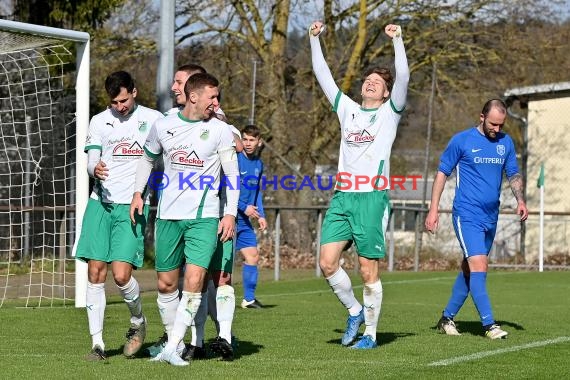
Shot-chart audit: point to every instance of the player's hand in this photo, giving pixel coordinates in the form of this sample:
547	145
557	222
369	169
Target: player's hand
316	28
393	30
226	228
262	224
101	172
136	204
251	211
522	211
432	221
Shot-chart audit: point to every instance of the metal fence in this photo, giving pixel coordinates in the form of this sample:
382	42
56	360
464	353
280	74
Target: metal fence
414	249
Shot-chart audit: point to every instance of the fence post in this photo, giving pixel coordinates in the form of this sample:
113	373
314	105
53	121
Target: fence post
318	245
277	241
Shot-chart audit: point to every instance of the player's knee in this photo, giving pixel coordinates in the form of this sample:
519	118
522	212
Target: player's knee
368	275
328	267
121	279
166	285
96	272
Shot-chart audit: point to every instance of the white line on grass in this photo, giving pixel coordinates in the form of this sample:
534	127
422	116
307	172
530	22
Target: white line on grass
327	290
484	354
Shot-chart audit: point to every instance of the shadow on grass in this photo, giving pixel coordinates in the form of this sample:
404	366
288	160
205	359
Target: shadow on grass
382	338
244	348
475	327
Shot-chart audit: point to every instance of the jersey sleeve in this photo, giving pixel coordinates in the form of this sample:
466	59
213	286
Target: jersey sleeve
258	195
93	140
511	165
400	89
226	138
451	155
322	72
152	145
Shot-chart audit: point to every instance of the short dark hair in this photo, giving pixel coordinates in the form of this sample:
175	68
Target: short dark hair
191	69
251	130
494	103
384	73
117	80
200	81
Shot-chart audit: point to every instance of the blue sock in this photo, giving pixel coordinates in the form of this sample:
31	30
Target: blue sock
459	294
249	276
478	285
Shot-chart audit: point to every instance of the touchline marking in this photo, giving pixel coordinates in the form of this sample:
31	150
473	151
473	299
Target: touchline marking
484	354
326	290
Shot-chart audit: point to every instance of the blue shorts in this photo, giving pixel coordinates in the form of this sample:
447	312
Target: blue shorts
245	234
475	237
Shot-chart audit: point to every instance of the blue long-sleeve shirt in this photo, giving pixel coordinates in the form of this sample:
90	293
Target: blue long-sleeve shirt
250	170
479	163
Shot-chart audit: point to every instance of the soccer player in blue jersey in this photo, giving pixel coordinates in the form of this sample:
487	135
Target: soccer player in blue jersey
250	206
359	213
479	156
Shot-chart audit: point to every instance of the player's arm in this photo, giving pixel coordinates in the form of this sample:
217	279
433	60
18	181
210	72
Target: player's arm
432	218
400	88
259	203
144	168
516	182
94	147
95	167
237	141
152	149
259	196
228	159
320	67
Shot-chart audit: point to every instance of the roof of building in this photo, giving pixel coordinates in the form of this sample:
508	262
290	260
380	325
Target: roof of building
541	91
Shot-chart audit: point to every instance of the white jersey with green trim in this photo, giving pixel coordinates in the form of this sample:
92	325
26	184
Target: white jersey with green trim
192	166
367	136
175	110
120	140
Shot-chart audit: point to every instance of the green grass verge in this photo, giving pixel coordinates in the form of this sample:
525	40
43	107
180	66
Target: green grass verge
297	335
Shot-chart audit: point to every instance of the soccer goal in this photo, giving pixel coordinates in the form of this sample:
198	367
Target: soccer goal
44	116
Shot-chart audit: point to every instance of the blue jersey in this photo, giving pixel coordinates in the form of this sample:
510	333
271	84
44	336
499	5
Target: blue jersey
479	163
250	170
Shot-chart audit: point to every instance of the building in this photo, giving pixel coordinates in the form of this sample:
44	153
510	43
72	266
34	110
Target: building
546	138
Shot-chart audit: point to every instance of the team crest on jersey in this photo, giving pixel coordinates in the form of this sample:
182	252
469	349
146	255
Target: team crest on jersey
127	151
372	119
204	133
182	160
501	149
360	137
143	125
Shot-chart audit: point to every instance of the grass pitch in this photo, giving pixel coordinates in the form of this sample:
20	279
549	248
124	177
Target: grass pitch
297	335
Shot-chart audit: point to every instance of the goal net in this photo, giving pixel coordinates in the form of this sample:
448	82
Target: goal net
39	125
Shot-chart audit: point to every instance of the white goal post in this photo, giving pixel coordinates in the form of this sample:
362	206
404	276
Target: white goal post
43	187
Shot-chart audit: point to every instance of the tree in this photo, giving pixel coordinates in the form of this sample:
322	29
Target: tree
290	108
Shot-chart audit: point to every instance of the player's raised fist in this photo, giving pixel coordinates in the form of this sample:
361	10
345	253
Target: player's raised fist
393	30
316	28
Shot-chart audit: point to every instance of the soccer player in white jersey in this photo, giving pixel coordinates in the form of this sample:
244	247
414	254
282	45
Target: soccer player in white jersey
479	155
114	145
221	265
195	147
358	212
